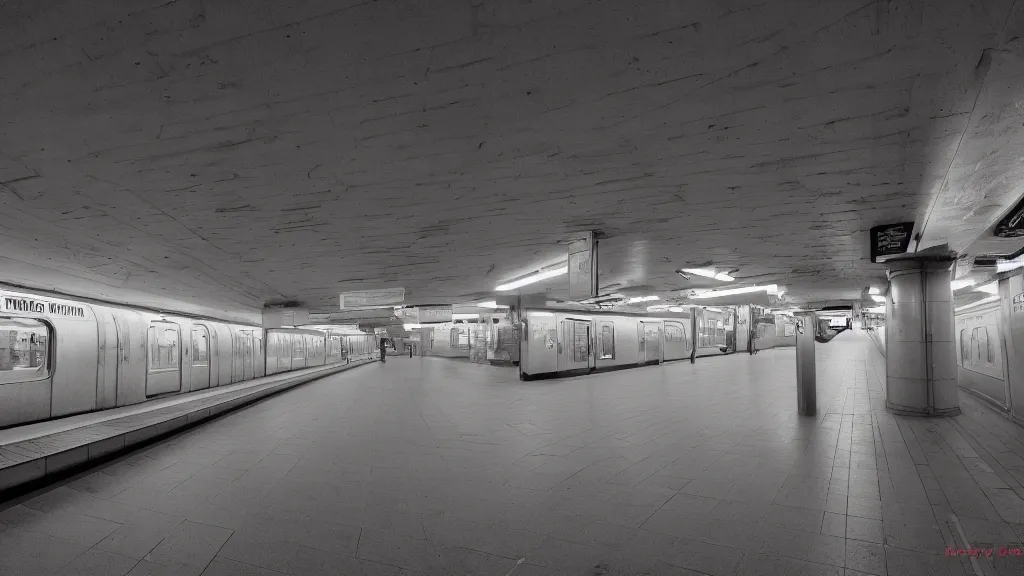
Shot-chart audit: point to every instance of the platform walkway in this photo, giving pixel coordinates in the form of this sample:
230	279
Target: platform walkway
427	466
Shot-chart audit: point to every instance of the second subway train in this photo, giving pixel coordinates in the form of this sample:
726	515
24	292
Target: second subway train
564	342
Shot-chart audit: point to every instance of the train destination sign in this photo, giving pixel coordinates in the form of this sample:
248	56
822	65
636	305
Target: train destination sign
890	240
32	306
364	298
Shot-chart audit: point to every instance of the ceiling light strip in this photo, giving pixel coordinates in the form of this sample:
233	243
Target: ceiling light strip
532	278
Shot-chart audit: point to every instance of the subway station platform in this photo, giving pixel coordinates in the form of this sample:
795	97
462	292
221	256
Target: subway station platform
430	466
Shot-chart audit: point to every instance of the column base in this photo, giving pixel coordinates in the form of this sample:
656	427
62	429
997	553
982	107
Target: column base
917	411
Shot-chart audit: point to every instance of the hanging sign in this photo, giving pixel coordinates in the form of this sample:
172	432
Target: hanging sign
364	298
890	240
1012	225
433	314
1017	304
583	268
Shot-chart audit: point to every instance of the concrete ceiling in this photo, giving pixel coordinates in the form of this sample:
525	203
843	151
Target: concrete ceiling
213	156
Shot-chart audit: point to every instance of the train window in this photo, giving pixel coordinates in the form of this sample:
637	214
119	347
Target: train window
965	347
299	347
24	350
607	341
674	333
163	347
200	346
984	349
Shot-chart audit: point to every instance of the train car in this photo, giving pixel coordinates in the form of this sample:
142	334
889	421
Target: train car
60	356
979	354
560	343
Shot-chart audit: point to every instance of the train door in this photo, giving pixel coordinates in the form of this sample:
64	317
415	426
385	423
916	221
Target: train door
131	350
675	345
259	367
106	372
574	345
163	363
650	342
245	353
200	357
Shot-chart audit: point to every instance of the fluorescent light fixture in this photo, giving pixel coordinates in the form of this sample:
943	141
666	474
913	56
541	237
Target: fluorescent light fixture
713	309
539	313
543	275
875	310
491	304
769	288
709	274
636	299
658	308
1006	266
878	298
874	290
982	302
465	316
960	284
990	288
411	326
675	308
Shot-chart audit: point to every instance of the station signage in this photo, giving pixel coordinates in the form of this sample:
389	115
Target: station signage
33	306
583	268
890	240
1017	304
427	314
1012	225
364	298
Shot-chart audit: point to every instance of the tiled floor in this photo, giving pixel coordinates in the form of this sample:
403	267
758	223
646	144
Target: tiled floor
441	467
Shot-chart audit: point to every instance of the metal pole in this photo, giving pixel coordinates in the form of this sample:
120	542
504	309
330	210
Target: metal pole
806	374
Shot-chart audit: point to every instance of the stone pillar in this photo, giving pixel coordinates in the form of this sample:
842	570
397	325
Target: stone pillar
806	367
920	347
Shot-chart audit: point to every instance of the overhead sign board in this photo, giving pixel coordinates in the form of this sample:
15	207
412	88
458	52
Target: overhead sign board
890	240
434	314
583	268
1012	225
427	314
364	298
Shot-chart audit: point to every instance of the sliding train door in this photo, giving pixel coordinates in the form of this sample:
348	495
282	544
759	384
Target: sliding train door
574	345
163	366
650	342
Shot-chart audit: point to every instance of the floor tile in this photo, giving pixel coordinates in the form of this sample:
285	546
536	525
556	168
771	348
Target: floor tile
99	563
440	467
190	544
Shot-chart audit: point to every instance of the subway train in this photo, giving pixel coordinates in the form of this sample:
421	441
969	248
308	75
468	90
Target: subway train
60	357
564	342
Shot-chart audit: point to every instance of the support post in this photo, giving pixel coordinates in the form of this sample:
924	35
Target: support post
806	369
920	356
